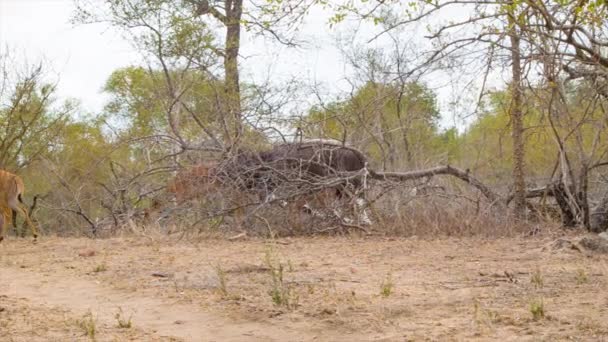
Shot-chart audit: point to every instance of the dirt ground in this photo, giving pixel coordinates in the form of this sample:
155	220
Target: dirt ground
303	289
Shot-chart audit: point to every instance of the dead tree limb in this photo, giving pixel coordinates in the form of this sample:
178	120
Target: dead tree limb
547	190
463	175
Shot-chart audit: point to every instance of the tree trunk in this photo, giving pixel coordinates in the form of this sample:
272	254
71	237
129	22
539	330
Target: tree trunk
231	81
599	218
231	19
517	121
561	197
582	196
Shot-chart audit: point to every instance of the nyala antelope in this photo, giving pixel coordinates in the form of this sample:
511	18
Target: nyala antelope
11	203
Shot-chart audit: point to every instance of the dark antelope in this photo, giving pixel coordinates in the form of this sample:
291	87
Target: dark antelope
303	167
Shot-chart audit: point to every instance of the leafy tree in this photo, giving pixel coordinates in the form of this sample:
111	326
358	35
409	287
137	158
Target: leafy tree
487	141
178	36
29	123
396	124
137	102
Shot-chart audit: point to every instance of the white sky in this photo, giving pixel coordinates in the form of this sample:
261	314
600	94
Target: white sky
82	57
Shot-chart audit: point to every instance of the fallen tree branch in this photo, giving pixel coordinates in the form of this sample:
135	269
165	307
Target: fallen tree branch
440	170
547	190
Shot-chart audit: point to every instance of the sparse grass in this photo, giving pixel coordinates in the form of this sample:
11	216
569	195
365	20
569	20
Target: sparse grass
327	270
537	279
387	286
484	316
100	268
121	322
277	292
581	277
537	309
416	217
592	326
88	325
281	293
221	278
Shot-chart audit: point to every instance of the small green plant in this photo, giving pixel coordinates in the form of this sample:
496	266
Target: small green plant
581	277
387	286
123	323
537	309
270	258
214	223
537	279
221	278
281	293
87	325
100	268
277	291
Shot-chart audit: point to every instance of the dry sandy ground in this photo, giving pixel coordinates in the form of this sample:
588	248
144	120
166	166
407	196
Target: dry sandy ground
321	289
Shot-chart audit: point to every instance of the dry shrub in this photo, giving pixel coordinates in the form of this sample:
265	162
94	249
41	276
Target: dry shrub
228	211
440	217
396	209
442	208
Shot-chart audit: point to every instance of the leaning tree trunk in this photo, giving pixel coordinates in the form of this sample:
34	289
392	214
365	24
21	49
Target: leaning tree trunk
569	215
517	121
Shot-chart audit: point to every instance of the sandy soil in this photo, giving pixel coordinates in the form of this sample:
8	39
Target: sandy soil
305	289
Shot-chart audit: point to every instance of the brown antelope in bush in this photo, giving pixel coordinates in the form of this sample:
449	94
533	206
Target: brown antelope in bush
11	190
192	183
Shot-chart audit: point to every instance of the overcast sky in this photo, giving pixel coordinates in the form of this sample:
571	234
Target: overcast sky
82	57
